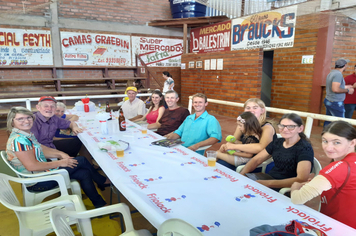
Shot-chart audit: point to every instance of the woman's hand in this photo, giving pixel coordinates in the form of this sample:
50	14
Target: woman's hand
68	162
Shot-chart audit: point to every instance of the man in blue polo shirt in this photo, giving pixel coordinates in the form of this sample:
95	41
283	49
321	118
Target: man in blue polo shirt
199	129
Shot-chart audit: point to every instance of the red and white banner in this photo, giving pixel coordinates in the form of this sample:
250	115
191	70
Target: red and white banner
212	38
158	51
21	47
89	49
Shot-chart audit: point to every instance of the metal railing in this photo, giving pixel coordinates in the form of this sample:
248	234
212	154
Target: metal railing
308	124
28	101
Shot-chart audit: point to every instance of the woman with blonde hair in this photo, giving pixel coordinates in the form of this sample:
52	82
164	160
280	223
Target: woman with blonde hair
258	108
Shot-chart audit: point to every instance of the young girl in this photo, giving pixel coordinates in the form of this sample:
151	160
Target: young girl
251	131
292	154
169	83
156	110
336	183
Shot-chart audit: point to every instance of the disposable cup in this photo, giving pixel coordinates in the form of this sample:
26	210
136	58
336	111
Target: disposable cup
144	128
211	156
120	152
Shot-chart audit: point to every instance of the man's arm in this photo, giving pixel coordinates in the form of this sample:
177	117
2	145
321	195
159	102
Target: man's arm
75	128
136	117
72	117
172	135
335	87
206	142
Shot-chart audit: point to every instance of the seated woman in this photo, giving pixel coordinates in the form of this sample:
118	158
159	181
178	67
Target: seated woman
156	110
336	182
258	108
64	133
293	155
27	155
251	131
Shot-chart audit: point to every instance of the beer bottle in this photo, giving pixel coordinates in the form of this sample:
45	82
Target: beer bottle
108	110
122	122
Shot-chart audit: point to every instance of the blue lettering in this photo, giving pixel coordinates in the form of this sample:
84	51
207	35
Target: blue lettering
290	26
238	33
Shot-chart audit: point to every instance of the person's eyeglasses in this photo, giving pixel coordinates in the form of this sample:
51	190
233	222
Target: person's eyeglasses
22	119
289	127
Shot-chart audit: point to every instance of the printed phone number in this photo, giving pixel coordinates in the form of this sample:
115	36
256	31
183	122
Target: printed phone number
168	64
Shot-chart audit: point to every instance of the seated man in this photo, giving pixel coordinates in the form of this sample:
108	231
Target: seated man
46	124
133	108
199	129
172	117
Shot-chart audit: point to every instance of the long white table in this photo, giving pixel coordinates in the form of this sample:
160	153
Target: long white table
176	182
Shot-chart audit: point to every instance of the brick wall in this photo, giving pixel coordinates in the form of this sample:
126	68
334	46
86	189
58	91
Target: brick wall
239	80
291	80
136	12
28	7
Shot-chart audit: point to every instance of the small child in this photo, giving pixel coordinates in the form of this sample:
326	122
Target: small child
251	133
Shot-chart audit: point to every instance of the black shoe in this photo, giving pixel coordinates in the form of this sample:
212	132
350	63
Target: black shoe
103	186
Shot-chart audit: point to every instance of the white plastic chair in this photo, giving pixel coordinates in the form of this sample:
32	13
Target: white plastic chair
177	227
33	198
316	168
263	166
59	219
34	220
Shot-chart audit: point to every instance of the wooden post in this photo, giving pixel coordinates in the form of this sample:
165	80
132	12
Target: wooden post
185	32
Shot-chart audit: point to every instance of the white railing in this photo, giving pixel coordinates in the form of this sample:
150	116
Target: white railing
29	100
310	116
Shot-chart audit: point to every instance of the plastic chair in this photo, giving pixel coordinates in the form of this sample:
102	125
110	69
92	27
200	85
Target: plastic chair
59	219
33	198
316	168
177	227
34	220
263	165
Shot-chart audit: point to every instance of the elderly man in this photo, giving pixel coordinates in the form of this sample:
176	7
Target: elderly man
336	90
172	117
133	108
199	129
45	126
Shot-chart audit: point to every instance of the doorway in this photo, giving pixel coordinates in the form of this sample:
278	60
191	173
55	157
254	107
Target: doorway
267	70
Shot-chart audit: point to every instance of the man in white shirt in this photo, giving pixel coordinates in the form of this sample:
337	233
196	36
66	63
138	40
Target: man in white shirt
133	108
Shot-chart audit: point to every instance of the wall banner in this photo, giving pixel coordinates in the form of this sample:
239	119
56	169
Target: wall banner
267	30
212	38
89	49
158	51
21	47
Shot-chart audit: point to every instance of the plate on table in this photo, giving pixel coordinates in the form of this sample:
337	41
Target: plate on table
112	145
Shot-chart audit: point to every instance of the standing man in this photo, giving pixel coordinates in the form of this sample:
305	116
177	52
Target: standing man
350	100
134	108
199	129
172	117
336	90
46	124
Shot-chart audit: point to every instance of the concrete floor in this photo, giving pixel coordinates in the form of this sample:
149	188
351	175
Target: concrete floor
9	224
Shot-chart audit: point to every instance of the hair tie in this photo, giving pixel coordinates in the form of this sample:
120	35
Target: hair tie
241	120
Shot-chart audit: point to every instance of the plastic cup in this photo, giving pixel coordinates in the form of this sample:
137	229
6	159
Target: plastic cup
144	128
211	156
211	161
119	152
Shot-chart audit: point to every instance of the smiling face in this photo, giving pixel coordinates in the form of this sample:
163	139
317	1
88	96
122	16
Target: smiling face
255	109
156	99
23	122
289	129
131	94
46	108
171	100
336	147
199	104
59	111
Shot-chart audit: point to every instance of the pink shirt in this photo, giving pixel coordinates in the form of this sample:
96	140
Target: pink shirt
152	116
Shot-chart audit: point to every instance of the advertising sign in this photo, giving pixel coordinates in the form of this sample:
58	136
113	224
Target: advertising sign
158	51
89	49
21	47
274	29
212	38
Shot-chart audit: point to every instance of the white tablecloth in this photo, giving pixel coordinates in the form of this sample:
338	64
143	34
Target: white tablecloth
176	182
